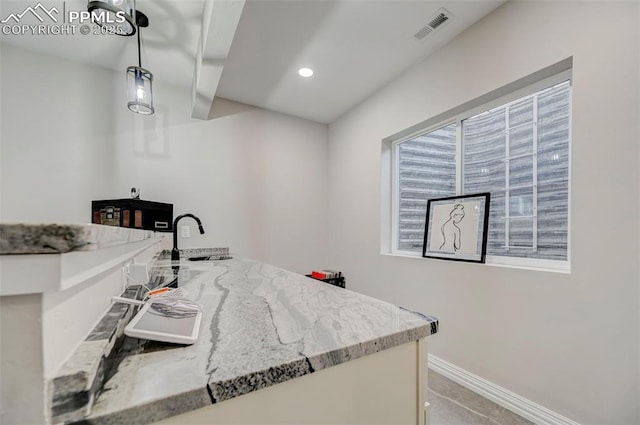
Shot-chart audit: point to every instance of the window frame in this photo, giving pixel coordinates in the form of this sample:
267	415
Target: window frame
562	266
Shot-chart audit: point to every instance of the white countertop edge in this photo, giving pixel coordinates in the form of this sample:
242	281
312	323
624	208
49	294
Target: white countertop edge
39	273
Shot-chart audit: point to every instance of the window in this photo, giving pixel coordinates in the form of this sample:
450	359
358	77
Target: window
517	148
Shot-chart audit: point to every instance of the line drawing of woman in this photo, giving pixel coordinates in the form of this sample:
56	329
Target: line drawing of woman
450	231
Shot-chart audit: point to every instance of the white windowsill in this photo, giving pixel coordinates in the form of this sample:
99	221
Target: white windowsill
549	266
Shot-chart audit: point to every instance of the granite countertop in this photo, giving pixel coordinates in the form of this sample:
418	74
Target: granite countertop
261	326
20	238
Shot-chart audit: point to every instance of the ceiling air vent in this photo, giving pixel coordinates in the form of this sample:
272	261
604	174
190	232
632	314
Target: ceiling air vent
436	21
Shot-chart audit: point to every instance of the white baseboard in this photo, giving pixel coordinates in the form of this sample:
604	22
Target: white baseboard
505	398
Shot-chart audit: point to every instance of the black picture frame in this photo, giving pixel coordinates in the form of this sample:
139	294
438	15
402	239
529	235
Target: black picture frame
457	241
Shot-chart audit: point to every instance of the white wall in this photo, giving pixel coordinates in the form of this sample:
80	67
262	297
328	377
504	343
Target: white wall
21	365
256	178
56	142
567	342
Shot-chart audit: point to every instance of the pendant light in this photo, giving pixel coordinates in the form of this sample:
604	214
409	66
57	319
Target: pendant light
112	12
139	80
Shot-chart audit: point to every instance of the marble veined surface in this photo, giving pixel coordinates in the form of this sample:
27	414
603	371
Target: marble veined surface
262	325
20	238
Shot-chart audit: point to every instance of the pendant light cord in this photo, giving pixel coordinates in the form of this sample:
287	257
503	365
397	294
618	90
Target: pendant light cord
139	57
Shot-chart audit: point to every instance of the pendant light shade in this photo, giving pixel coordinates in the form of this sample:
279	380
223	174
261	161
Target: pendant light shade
118	15
139	80
139	90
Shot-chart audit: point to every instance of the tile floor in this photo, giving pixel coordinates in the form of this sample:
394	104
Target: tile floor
453	404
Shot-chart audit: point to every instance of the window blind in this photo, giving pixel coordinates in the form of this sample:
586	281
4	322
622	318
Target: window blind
426	169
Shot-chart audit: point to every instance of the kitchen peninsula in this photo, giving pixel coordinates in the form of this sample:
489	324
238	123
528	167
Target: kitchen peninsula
274	347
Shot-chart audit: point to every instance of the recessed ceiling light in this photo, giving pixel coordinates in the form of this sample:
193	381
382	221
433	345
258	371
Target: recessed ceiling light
305	72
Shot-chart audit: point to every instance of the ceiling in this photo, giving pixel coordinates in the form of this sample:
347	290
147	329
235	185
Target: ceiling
169	43
355	47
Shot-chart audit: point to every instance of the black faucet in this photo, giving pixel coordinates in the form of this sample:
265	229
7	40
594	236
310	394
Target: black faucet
175	254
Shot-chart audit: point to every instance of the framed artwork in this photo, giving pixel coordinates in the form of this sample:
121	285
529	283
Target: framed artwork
456	228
